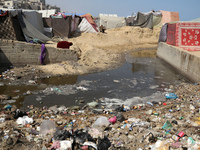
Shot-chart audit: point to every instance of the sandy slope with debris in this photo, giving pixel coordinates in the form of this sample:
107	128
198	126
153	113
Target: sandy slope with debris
104	51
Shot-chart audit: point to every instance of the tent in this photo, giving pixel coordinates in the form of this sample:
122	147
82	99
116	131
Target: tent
130	20
35	19
33	32
110	21
152	19
163	33
87	25
74	22
7	30
144	20
60	26
157	19
22	26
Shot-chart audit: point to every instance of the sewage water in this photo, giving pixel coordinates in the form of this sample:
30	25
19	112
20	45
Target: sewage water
139	80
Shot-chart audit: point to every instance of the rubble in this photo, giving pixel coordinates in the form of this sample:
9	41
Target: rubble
172	123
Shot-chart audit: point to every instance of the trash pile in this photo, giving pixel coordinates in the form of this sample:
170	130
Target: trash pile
173	123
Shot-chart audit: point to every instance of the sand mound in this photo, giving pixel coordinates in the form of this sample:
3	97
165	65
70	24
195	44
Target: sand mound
101	51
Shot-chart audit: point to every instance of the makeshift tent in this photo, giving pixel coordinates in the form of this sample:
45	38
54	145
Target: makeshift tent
60	26
87	24
18	30
86	27
75	22
89	18
168	16
111	21
35	19
144	20
23	26
7	30
130	20
157	19
30	32
184	34
163	33
152	19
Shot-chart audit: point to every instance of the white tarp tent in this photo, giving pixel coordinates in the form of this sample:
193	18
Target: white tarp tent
111	21
86	27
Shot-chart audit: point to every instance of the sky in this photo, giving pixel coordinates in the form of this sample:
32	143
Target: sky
188	9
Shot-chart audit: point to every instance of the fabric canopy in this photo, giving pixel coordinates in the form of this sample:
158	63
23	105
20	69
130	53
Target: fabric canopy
144	20
110	22
30	32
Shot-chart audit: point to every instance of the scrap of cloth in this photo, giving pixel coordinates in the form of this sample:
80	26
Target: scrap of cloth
42	56
64	44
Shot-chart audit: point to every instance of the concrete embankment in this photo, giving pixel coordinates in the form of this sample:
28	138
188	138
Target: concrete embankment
186	62
21	53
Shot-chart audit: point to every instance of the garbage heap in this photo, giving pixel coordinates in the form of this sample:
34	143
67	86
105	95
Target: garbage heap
173	123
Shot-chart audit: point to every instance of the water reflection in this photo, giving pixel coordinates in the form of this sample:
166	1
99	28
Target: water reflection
60	80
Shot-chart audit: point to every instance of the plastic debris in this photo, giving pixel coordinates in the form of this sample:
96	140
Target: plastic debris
47	127
113	119
93	104
61	135
103	144
167	125
91	144
24	120
66	144
81	137
101	121
171	96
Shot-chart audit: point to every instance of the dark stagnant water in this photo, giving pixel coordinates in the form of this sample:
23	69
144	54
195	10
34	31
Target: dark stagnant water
142	78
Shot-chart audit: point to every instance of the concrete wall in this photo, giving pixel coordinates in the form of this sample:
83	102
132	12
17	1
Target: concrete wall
17	53
187	63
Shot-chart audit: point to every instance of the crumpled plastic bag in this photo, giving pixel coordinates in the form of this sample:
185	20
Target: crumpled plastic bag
47	126
81	137
104	143
61	135
101	121
24	120
91	144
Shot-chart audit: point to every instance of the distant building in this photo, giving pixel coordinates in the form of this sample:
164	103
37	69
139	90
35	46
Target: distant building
27	4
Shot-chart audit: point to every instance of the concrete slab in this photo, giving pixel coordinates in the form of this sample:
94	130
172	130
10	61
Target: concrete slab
186	62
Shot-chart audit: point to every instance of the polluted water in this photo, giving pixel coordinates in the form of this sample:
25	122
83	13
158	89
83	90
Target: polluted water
139	80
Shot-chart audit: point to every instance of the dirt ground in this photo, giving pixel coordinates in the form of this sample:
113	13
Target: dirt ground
103	51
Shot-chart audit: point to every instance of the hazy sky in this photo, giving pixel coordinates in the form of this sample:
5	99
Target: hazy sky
188	9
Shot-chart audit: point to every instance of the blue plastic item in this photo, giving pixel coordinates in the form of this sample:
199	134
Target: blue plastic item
171	96
8	107
150	103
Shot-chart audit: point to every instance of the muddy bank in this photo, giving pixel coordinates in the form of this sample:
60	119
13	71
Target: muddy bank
102	51
97	52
